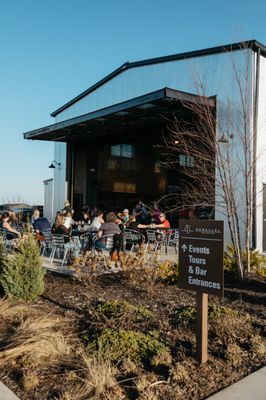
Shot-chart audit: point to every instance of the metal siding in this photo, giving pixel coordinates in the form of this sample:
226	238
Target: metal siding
180	75
261	148
215	71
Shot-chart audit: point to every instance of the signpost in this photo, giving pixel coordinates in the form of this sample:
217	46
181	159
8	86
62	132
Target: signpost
201	269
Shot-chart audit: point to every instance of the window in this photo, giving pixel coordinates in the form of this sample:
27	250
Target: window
122	150
186	161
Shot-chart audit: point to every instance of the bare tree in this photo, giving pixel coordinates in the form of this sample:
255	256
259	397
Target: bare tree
215	160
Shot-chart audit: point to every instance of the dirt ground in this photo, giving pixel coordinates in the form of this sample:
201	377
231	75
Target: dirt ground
236	341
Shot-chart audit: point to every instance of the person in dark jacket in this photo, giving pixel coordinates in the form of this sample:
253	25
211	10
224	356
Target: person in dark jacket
40	224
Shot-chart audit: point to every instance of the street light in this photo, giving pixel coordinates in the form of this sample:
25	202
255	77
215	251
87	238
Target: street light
53	164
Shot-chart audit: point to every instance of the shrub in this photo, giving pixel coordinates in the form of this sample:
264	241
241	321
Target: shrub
234	354
21	273
168	272
257	261
118	308
262	272
133	345
188	313
230	262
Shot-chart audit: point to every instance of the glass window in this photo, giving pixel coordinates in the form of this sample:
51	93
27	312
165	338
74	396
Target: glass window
116	150
186	161
122	150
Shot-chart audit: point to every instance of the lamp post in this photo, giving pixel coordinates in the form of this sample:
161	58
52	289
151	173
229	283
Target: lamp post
53	164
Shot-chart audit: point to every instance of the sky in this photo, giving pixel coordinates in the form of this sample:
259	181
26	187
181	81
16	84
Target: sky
52	50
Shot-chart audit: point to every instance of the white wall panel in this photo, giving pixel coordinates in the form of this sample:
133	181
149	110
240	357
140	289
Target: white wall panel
261	150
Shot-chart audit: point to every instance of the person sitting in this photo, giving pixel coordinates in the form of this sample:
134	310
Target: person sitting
125	216
155	214
134	226
97	221
59	228
110	227
11	233
140	213
67	208
164	223
40	223
132	223
85	215
119	221
13	218
68	221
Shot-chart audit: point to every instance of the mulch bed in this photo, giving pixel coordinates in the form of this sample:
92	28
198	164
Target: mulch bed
68	297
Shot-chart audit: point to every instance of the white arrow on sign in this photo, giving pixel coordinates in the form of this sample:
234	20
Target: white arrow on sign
184	247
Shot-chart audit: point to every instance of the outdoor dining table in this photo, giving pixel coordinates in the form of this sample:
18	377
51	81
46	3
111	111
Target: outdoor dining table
85	237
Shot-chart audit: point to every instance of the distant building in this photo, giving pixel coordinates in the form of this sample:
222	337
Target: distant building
105	137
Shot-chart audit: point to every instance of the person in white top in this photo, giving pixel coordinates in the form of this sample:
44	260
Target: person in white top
97	221
68	221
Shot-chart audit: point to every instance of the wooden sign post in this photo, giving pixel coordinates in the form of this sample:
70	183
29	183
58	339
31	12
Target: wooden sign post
201	269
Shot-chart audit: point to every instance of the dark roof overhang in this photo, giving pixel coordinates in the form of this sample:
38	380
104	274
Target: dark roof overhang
249	44
124	118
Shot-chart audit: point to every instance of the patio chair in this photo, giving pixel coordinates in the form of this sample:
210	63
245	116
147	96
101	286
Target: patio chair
86	240
46	244
132	238
173	240
109	243
3	236
156	240
58	246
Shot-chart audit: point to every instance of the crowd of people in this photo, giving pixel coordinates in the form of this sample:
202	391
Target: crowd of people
95	221
98	224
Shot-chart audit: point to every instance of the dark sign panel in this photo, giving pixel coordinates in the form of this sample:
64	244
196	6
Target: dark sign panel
201	256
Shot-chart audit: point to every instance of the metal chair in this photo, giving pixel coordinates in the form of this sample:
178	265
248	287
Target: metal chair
109	243
173	240
8	243
58	245
155	239
86	240
3	236
132	238
46	244
18	228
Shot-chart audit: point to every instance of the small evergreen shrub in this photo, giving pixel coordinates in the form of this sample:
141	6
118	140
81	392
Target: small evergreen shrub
132	345
118	308
21	273
214	312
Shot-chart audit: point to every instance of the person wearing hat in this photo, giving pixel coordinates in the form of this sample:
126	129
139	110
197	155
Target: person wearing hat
125	216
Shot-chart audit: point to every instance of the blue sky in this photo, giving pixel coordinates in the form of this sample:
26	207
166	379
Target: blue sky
51	50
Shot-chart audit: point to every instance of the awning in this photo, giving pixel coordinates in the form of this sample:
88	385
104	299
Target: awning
149	110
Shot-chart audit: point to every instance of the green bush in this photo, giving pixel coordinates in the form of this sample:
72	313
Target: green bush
257	261
214	312
168	272
118	308
132	345
230	263
21	273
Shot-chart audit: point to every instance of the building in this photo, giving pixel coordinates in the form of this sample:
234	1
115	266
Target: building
106	137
